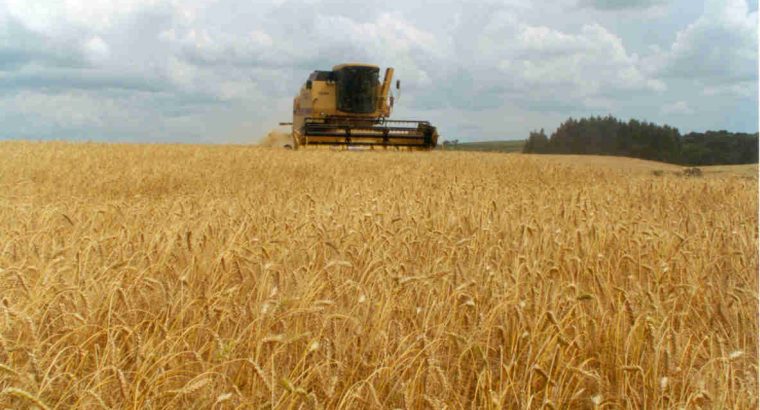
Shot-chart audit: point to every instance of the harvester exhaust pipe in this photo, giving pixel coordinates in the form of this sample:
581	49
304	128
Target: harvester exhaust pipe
384	90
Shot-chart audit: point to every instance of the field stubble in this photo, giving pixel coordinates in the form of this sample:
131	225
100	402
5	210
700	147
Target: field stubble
156	276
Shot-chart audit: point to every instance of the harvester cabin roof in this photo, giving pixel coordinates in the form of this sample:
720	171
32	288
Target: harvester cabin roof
341	66
322	76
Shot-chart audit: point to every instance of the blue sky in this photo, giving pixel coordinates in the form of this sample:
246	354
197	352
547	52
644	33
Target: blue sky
226	70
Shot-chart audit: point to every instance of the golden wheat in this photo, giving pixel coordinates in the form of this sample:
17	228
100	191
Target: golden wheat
157	276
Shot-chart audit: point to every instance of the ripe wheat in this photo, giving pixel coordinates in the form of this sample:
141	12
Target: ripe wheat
152	276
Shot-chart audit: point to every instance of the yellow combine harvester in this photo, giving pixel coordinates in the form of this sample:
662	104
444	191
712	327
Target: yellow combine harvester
348	107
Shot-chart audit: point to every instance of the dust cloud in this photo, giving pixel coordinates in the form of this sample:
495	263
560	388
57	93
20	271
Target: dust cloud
276	139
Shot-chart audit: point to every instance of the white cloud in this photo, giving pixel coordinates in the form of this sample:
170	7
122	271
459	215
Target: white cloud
592	61
96	49
553	70
389	39
65	110
182	74
202	46
196	67
98	115
737	89
621	4
718	49
49	16
677	108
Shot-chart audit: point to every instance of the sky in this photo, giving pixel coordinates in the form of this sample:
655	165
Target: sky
226	71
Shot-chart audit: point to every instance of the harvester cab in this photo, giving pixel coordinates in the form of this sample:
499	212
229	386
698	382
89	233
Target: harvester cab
348	108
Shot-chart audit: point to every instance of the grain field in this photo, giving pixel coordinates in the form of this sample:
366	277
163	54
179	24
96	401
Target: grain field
181	276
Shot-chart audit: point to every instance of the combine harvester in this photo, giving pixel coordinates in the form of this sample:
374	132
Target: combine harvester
348	107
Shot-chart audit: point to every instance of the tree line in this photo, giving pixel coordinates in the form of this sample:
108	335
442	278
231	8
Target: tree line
640	139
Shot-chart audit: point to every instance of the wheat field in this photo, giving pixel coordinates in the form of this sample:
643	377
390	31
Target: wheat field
182	276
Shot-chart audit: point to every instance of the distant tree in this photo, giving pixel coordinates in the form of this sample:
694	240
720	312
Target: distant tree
537	142
719	147
646	140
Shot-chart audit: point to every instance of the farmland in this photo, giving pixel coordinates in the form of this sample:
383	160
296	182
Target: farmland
183	276
488	146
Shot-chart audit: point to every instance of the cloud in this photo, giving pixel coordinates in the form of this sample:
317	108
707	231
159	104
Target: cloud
96	49
621	4
55	16
220	69
109	115
57	79
717	50
20	46
738	89
201	47
259	63
548	69
591	61
677	108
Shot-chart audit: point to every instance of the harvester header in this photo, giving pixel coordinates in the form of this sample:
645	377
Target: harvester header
348	107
